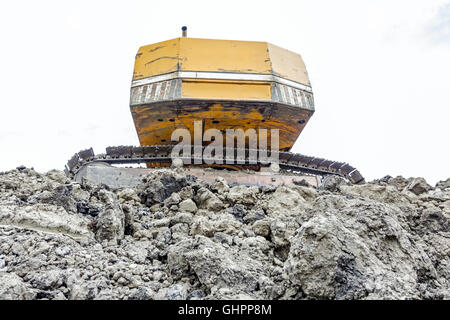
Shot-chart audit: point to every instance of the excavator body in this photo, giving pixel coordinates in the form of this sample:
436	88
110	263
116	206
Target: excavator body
256	88
224	84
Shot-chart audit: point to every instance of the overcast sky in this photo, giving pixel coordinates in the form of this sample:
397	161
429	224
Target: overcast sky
380	72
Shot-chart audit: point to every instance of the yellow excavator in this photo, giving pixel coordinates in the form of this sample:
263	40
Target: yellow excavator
227	86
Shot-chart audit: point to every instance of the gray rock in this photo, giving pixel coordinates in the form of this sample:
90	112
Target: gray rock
182	217
444	184
159	185
84	207
418	186
208	200
62	251
188	206
13	288
254	215
186	193
60	196
58	177
111	222
164	235
142	293
332	183
127	195
243	195
398	182
196	295
332	257
220	186
261	228
45	217
2	263
174	199
176	292
203	226
48	280
238	211
214	266
223	238
137	251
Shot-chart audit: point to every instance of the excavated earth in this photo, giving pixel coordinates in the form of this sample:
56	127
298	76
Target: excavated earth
177	237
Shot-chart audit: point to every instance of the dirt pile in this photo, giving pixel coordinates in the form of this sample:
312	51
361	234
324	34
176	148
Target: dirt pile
177	237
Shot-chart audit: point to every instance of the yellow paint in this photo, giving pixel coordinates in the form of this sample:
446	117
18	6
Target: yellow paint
225	90
224	56
288	64
211	55
157	58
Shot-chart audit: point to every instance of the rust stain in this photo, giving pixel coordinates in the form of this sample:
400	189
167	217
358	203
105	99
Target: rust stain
160	58
156	48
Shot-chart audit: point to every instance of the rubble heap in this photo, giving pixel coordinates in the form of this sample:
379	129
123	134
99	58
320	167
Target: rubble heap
177	237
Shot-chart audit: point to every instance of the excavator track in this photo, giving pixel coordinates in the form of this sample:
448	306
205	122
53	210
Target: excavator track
161	155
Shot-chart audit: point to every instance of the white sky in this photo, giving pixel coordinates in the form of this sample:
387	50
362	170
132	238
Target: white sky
380	72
